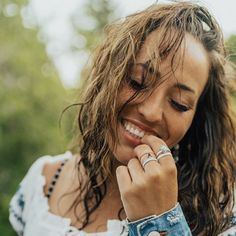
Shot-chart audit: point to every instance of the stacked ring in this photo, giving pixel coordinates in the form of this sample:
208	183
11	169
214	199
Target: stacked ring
148	159
145	155
163	152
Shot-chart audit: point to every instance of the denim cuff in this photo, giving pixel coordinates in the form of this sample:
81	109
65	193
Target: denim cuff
171	223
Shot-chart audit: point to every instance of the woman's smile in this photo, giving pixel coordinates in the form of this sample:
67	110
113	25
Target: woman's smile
134	130
131	133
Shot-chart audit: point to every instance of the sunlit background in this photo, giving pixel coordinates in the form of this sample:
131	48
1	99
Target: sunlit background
54	18
44	45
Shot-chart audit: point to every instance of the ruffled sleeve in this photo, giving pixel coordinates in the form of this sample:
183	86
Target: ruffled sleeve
21	201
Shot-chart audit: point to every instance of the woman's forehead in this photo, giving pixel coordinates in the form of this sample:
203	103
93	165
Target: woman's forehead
176	47
188	64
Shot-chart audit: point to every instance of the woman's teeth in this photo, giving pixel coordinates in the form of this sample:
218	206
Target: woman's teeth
134	130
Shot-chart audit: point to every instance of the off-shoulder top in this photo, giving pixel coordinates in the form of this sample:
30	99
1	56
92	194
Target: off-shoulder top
30	215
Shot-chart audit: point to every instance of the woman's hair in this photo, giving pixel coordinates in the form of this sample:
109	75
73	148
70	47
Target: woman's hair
207	152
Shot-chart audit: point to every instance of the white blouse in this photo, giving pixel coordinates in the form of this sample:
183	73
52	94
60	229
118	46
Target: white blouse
30	215
36	219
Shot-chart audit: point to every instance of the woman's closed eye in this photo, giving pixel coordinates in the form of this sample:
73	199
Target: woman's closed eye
179	106
136	84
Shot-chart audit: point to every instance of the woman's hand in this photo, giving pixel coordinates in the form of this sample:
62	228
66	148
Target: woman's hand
150	189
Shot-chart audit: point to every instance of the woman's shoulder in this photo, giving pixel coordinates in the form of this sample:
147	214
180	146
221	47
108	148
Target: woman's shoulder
52	167
50	160
37	168
49	164
31	188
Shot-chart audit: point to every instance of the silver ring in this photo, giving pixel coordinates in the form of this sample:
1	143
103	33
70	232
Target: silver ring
162	150
163	155
150	158
143	155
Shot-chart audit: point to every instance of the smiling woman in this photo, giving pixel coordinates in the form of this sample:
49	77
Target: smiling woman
157	138
170	100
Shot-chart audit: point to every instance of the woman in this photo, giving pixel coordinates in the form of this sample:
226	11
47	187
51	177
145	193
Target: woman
158	82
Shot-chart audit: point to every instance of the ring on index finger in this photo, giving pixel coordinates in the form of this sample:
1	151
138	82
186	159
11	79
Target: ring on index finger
148	159
144	156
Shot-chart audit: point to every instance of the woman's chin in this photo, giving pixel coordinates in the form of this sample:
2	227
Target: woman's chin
124	156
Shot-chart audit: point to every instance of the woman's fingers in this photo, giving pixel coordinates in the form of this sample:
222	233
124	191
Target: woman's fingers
162	152
135	170
123	178
148	184
147	158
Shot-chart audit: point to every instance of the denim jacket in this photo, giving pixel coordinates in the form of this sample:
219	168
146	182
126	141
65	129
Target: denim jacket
171	223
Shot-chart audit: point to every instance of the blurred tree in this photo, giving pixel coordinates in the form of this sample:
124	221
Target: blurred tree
89	25
31	100
97	14
31	96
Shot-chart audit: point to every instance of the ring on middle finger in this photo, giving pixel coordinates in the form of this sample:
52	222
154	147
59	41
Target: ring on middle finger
163	152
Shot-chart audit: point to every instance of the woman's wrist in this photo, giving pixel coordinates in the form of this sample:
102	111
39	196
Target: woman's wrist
169	223
150	216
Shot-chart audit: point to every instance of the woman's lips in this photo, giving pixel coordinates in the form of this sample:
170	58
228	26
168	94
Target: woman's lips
140	126
133	129
131	133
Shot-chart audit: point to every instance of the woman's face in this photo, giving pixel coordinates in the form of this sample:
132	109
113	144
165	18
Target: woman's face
168	109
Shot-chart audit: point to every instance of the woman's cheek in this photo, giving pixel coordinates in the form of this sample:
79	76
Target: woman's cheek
178	129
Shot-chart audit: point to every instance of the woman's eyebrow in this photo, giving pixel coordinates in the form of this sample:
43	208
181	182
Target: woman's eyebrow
184	87
146	66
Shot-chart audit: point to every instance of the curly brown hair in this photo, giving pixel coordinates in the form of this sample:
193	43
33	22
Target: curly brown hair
207	153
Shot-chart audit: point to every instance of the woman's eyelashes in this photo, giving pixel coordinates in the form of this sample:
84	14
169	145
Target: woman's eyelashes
137	84
178	106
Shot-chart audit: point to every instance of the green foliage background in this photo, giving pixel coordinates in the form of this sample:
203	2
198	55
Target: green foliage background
32	97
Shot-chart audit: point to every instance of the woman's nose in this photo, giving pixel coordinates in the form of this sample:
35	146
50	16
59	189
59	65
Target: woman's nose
152	107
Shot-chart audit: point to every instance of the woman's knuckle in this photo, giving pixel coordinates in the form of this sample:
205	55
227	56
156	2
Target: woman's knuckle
141	185
154	177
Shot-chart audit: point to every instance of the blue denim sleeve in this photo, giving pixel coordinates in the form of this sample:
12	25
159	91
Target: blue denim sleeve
171	223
